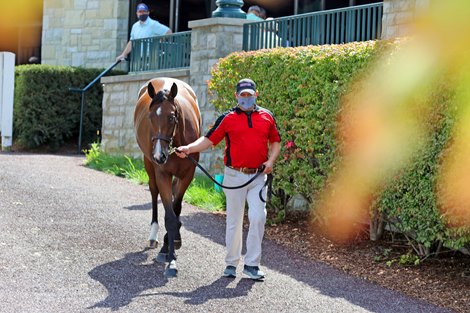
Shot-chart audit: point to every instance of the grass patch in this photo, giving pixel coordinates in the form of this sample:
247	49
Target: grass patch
119	165
200	193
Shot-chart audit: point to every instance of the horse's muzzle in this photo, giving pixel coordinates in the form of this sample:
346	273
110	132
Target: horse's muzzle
160	153
160	159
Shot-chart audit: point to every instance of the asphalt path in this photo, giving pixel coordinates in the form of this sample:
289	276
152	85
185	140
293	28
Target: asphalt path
72	240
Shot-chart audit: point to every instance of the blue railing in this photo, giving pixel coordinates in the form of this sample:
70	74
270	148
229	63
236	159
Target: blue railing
358	23
161	52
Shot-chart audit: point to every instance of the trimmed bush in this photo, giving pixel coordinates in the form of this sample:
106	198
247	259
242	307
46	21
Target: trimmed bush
303	87
47	114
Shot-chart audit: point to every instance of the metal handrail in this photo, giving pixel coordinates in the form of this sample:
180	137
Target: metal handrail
82	99
161	52
358	23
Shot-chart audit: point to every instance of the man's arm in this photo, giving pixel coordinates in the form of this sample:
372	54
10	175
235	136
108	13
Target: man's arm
274	151
126	52
199	145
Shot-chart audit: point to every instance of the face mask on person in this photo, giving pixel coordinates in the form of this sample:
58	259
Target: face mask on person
246	102
143	17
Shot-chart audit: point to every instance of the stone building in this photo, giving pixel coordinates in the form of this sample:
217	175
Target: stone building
83	33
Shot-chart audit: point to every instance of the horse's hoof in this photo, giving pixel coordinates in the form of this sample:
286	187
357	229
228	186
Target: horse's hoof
152	244
171	272
161	257
177	244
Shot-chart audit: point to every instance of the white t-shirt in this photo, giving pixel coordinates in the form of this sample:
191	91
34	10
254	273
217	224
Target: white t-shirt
149	28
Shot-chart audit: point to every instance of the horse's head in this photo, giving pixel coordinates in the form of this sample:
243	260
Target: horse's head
163	115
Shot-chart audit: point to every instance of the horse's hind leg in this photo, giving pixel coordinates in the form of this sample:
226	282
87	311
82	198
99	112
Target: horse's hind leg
152	241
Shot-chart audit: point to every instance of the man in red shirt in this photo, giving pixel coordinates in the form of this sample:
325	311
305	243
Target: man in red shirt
251	140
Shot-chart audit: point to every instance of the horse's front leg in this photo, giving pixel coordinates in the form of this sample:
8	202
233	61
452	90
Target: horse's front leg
152	241
179	188
167	252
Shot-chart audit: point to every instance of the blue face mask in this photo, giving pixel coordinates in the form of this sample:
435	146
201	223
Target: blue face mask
143	17
246	102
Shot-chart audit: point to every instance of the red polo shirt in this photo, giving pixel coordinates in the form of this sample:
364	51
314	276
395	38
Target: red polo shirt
246	136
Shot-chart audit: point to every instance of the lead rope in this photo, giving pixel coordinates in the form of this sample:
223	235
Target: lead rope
268	182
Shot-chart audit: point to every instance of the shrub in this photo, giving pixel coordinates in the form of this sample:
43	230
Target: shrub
46	113
303	87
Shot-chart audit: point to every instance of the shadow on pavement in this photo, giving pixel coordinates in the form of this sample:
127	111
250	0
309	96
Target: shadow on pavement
216	290
126	278
120	277
141	207
319	276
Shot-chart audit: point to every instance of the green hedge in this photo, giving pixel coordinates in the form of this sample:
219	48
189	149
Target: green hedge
47	114
303	87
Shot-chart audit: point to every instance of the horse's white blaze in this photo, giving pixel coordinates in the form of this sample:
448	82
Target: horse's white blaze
158	150
153	231
159	111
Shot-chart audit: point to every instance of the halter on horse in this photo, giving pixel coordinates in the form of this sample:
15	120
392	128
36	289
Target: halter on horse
167	115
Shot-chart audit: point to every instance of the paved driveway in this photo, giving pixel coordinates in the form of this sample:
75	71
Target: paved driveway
71	240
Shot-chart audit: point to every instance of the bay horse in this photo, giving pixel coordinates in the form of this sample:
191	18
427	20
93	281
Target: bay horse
166	116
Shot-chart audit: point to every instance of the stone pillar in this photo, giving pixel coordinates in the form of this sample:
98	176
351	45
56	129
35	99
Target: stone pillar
398	15
211	39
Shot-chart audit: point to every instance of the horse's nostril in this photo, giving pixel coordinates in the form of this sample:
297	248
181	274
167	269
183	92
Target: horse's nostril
161	159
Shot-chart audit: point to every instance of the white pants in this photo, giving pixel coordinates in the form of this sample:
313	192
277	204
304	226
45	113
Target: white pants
235	210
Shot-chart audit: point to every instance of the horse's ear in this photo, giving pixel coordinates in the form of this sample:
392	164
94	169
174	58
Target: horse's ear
151	90
174	90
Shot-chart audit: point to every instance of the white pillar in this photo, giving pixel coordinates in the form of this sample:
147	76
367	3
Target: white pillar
7	84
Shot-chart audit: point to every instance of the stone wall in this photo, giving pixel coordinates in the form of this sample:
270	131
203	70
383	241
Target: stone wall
88	33
119	99
398	15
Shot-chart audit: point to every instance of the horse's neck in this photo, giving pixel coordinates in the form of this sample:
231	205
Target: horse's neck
189	124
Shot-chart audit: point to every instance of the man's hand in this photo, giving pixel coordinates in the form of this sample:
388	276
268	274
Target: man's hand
268	167
182	151
121	57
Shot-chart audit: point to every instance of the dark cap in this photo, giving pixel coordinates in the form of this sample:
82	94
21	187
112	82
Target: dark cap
142	7
246	85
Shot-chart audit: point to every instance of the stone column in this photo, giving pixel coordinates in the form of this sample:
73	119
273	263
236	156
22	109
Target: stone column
398	15
211	39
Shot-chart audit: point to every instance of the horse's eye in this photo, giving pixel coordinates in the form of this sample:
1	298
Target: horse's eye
172	118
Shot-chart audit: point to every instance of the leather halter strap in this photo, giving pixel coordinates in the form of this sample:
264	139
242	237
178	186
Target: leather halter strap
166	138
161	137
